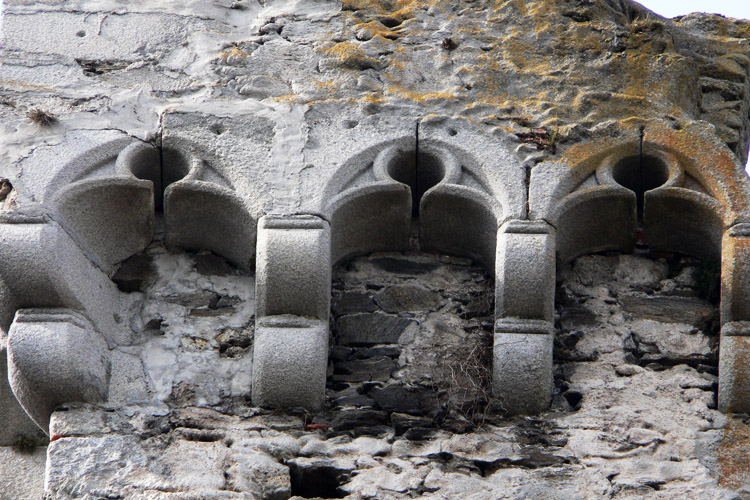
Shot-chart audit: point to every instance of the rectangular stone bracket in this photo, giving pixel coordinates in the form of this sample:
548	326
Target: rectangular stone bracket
525	270
734	350
293	266
735	274
290	359
522	365
734	373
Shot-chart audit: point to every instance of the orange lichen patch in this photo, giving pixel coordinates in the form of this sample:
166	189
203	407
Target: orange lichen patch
286	99
350	55
376	28
233	54
375	98
390	12
733	458
26	85
420	97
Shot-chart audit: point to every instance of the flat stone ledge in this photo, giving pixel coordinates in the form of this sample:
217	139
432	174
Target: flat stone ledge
530	326
526	227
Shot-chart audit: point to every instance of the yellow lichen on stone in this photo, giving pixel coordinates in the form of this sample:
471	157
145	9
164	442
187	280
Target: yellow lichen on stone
351	56
233	55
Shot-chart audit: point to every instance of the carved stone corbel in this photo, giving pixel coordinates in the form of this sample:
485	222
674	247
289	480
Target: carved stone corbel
524	311
293	290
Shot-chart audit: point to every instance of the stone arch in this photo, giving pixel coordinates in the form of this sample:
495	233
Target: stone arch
371	204
109	207
632	190
688	196
382	192
58	258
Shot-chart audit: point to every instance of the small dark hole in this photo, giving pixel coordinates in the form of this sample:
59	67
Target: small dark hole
452	131
574	399
390	22
81	33
317	481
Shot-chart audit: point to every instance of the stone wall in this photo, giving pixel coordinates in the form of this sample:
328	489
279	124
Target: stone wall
373	249
409	413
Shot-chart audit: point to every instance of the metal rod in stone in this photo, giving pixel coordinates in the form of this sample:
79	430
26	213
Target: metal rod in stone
415	209
641	133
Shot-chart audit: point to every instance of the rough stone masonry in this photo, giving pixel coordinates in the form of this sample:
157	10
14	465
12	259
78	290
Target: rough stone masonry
373	249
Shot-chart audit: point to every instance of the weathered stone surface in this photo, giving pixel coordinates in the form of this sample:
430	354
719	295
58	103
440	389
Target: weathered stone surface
364	370
22	473
403	298
405	126
396	398
690	310
371	329
353	302
347	419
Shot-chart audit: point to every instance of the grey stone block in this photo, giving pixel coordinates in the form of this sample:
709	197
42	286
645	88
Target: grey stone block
370	219
55	356
735	274
15	421
293	267
525	270
522	365
370	329
593	220
734	371
458	220
683	220
290	360
690	310
403	298
43	267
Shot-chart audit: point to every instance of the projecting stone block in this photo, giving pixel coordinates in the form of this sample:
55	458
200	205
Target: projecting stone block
522	365
734	353
735	274
525	270
15	421
293	266
734	367
55	356
43	267
290	361
112	217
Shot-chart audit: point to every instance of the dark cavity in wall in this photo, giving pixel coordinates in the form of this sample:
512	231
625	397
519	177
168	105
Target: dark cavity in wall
640	174
420	171
317	480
